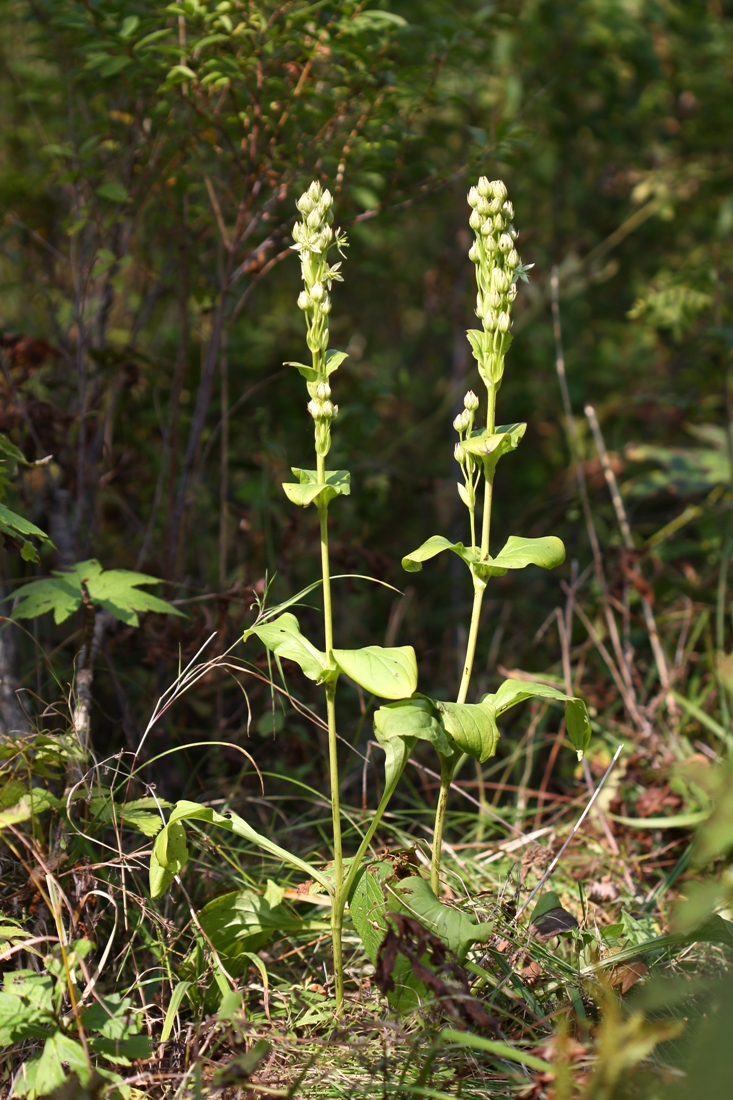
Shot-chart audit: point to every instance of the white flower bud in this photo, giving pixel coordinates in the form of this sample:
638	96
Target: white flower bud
459	454
512	259
304	300
490	244
324	339
470	401
323	391
499	223
503	322
314	408
317	292
508	210
483	206
495	206
505	243
474	253
489	320
314	192
324	307
326	200
327	410
484	188
500	280
511	293
314	219
487	228
461	422
473	197
304	203
475	220
499	190
335	411
494	299
513	233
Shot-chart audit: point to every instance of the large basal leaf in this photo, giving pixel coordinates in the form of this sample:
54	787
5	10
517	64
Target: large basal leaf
519	552
309	489
241	922
455	928
492	445
115	590
412	718
368	912
472	727
387	673
282	637
577	722
233	823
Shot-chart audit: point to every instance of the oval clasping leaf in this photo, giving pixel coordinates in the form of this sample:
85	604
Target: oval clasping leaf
282	637
473	728
387	673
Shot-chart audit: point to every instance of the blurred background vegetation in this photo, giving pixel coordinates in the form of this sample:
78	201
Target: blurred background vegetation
150	157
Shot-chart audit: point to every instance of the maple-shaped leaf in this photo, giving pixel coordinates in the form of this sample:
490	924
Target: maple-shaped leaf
117	591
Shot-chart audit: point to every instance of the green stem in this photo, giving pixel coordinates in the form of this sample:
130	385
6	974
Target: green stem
337	910
373	826
479	587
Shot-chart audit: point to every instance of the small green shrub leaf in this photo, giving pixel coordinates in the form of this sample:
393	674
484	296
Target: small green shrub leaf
473	728
282	637
387	673
309	489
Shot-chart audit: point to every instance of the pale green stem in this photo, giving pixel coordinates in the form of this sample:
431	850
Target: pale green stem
373	826
448	768
337	910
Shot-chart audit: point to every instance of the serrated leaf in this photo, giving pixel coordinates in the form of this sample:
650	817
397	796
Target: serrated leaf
309	488
61	596
282	637
416	719
387	673
473	728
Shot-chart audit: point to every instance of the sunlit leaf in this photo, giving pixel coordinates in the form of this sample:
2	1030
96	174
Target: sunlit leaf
387	673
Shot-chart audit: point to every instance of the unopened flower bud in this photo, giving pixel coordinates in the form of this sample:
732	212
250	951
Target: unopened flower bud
304	203
461	422
317	292
314	191
470	401
487	228
513	233
473	197
314	408
490	244
459	454
314	219
512	259
325	306
484	188
483	206
500	280
304	300
475	220
495	206
335	411
323	391
327	410
326	200
508	210
489	320
474	253
493	298
511	293
499	190
505	243
499	223
503	322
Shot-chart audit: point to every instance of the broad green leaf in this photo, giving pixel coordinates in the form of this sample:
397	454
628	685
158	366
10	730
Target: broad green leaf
118	592
13	815
577	724
512	692
59	1051
309	373
56	594
492	445
309	489
169	856
411	718
473	728
519	552
387	673
433	546
233	823
282	637
477	340
242	922
397	752
456	929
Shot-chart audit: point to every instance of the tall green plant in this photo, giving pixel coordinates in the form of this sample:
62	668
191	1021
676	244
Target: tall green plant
455	728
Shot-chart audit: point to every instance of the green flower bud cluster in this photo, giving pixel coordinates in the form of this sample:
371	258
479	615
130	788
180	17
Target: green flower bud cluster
313	238
497	268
